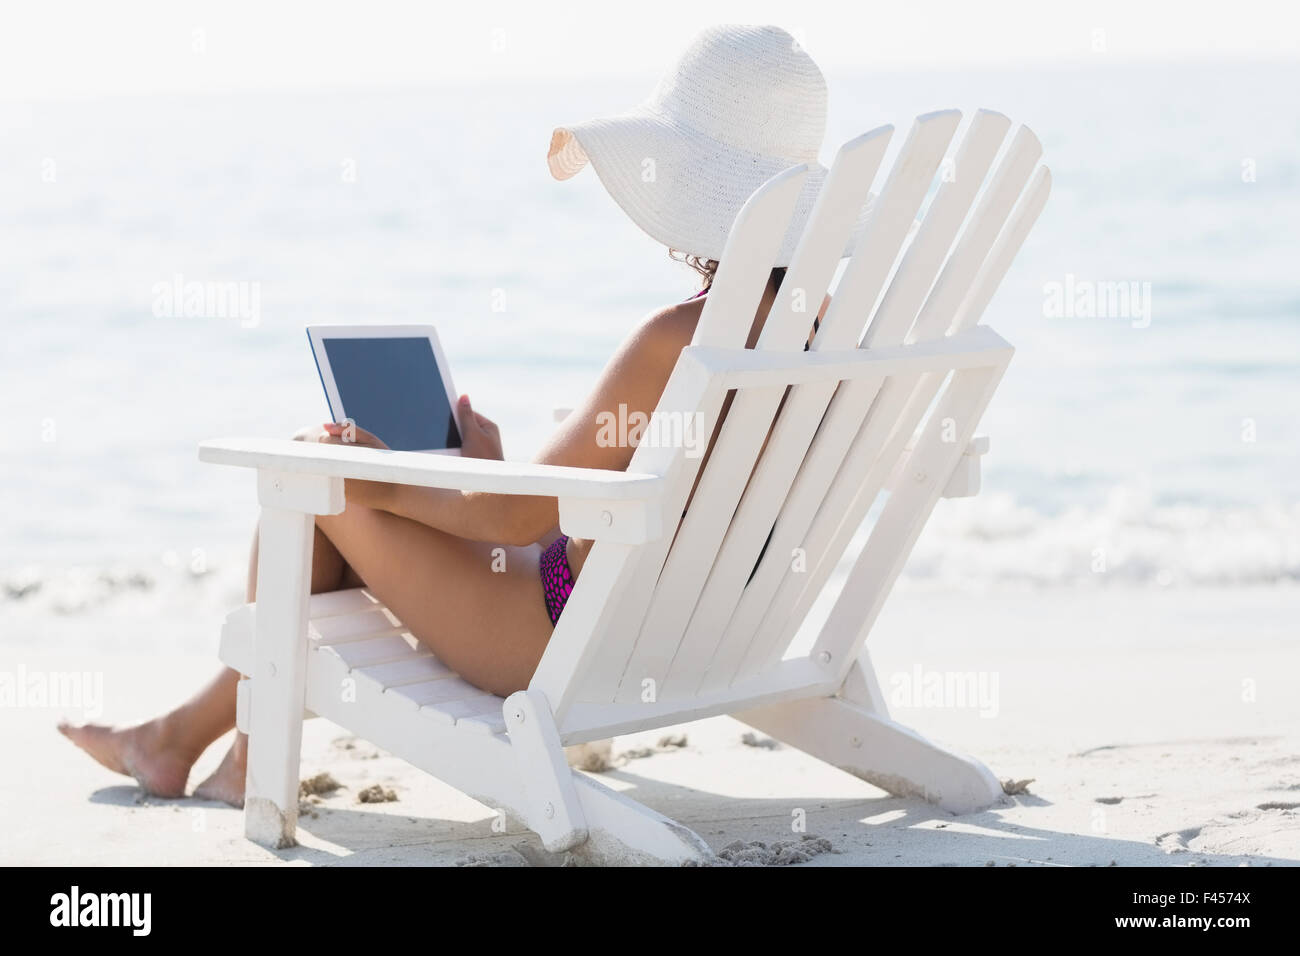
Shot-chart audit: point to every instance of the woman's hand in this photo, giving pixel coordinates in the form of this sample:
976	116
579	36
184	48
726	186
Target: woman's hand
372	494
350	434
332	433
479	436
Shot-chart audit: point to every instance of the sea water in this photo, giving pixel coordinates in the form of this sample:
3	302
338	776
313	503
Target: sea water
1152	441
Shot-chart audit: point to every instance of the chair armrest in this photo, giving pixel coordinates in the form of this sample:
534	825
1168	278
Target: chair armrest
964	482
594	503
431	471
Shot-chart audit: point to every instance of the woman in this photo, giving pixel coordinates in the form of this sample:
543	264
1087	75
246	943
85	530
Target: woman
742	104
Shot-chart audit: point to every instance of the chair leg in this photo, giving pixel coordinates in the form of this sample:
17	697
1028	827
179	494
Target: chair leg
571	812
554	810
853	731
278	686
622	832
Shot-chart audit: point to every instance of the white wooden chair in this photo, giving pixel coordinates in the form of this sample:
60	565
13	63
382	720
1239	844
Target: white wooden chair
664	625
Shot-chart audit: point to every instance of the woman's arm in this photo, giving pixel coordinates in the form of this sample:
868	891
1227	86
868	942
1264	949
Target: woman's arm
632	382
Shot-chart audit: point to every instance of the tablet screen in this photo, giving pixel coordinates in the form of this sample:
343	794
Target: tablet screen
391	387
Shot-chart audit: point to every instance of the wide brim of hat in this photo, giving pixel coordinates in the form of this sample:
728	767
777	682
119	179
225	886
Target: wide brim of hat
681	187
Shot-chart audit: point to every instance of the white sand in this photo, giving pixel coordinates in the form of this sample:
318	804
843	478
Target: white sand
1131	711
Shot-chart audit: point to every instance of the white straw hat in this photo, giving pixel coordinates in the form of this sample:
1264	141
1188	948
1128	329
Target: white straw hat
742	104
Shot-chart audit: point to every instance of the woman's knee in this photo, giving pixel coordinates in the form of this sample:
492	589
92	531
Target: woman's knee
349	528
327	565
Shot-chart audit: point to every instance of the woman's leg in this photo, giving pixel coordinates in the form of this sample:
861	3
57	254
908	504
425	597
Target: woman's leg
479	607
329	572
159	753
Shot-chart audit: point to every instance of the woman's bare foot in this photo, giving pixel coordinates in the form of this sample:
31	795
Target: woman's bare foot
227	781
144	752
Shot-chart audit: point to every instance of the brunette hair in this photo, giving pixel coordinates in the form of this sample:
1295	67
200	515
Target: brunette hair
707	268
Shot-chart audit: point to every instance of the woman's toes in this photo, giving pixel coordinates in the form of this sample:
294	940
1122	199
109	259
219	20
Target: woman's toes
105	744
136	752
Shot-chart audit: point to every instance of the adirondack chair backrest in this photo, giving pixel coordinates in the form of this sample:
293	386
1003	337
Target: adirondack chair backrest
677	627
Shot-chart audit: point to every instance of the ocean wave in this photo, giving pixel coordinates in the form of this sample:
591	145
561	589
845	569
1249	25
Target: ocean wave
978	543
141	587
1126	541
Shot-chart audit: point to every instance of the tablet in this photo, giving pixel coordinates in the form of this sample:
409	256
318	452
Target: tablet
391	380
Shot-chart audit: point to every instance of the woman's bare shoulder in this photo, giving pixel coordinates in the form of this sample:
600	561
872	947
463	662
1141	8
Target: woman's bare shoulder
632	381
665	332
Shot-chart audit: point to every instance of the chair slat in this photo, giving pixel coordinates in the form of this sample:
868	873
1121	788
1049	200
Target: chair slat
355	626
821	247
702	529
827	464
747	259
794	432
377	650
1004	251
920	266
807	404
847	505
892	537
954	283
437	691
408	670
330	603
750	416
479	714
891	218
747	534
894	414
588	664
725	321
482	705
727	318
826	532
